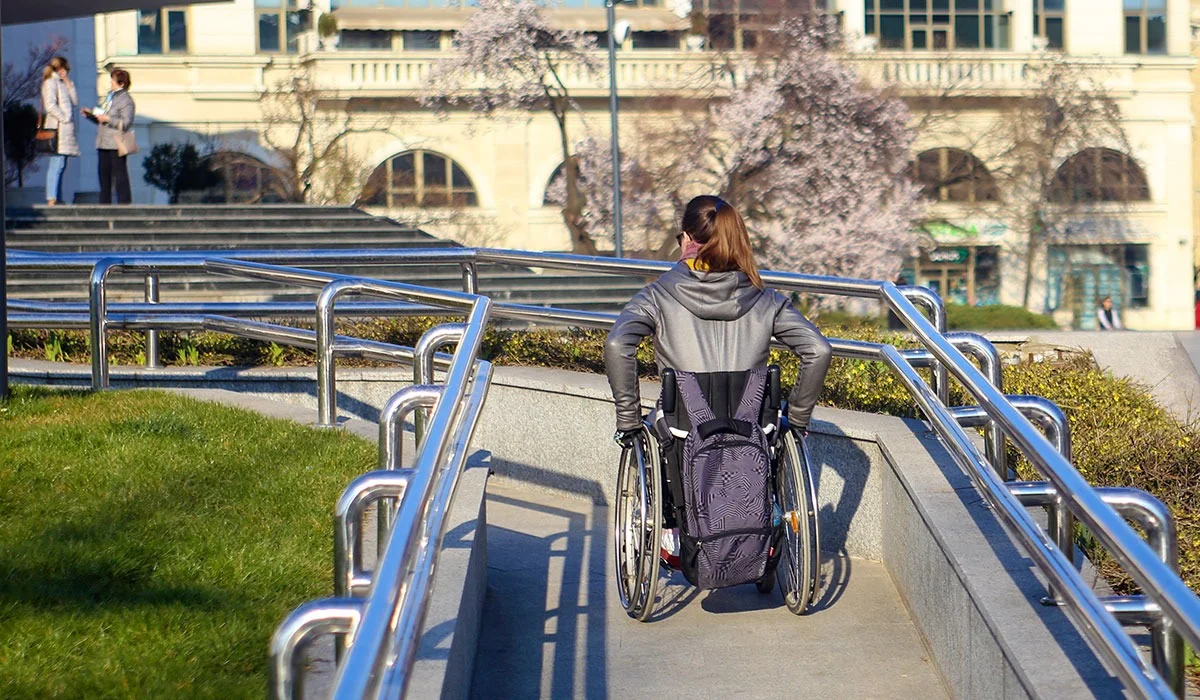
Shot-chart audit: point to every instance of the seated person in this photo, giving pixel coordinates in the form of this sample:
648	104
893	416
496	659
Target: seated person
711	313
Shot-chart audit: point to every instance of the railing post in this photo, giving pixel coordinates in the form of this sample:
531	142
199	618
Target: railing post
988	357
430	342
470	275
98	321
152	359
402	403
921	296
1152	515
305	623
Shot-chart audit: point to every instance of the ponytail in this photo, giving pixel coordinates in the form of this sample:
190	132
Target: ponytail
721	233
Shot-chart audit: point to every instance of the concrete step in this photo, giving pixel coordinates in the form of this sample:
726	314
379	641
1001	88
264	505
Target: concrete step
183	211
554	628
80	241
104	224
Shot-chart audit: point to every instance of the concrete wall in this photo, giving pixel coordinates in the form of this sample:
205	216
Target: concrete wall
888	492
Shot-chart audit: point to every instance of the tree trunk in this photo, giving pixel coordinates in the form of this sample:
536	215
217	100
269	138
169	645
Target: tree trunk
1035	229
581	242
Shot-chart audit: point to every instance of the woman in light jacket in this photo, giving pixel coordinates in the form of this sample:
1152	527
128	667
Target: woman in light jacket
115	118
58	102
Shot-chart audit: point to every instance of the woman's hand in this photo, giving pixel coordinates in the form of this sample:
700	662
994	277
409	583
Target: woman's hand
102	118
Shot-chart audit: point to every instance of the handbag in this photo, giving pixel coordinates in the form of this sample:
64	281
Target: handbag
45	140
126	143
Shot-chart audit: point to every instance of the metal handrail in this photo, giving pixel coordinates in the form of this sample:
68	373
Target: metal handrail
384	645
1179	606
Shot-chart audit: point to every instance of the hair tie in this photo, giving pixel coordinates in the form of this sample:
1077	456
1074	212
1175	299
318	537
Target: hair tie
720	203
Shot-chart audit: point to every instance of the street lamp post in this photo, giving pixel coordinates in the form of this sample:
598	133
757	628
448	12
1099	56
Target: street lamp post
618	248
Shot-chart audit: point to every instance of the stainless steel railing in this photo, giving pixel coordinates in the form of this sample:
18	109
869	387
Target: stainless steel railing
1168	607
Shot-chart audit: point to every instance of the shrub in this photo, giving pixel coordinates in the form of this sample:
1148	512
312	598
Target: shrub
175	168
994	317
1121	436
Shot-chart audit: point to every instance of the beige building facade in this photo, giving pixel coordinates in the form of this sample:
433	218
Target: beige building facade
200	73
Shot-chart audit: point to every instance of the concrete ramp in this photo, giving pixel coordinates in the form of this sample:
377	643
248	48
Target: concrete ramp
554	628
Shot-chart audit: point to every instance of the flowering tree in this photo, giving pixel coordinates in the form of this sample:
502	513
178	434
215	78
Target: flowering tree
508	57
816	162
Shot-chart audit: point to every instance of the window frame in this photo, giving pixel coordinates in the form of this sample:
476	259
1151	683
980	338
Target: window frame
1065	187
978	180
420	190
874	14
164	14
1041	14
283	13
1143	16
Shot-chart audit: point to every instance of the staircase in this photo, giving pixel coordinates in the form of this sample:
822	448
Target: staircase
76	229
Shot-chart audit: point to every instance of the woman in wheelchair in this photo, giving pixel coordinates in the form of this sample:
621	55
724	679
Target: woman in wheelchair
712	322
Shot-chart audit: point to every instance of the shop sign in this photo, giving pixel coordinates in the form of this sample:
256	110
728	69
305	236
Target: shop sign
945	231
948	255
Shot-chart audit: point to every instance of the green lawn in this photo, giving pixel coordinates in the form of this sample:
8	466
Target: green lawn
149	544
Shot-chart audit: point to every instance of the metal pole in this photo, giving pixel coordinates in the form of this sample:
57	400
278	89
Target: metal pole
152	360
3	266
618	247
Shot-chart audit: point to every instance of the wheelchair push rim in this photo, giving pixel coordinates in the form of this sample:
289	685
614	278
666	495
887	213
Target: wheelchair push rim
637	527
800	559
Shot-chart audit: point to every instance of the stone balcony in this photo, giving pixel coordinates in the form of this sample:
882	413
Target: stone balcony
640	73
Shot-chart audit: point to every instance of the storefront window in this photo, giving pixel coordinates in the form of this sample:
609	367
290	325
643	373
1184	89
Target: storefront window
967	275
1079	277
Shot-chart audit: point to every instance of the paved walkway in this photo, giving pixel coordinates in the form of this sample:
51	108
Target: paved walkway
553	627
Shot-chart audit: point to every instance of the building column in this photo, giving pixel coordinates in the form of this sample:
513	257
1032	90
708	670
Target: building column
1021	26
853	17
1179	28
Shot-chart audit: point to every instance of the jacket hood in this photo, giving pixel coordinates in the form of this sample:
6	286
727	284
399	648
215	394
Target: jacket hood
713	296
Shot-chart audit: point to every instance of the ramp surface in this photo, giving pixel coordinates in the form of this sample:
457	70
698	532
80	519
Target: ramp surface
554	628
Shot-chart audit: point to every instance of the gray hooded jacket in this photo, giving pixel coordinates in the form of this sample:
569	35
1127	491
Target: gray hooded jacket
712	322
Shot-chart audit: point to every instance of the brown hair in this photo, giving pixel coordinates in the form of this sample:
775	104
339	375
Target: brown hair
57	63
721	233
122	77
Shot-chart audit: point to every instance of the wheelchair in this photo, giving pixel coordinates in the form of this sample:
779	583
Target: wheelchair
639	511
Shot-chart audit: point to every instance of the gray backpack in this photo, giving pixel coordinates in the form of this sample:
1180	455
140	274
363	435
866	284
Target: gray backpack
726	534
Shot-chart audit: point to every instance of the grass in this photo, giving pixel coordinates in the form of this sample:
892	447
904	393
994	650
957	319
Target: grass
151	543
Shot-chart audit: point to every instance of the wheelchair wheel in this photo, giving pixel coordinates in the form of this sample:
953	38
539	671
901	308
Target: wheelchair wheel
799	563
637	526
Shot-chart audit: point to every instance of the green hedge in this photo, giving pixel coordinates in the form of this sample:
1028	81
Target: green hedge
994	317
1121	436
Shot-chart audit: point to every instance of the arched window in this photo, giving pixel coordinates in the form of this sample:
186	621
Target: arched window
547	199
244	180
419	179
954	175
1099	175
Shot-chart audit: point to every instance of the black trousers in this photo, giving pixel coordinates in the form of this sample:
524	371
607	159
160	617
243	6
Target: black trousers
113	171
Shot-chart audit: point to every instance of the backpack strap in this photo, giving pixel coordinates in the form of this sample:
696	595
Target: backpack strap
753	396
701	415
694	401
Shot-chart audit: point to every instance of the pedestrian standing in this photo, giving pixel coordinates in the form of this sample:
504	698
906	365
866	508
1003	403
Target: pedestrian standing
1107	316
58	106
114	138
